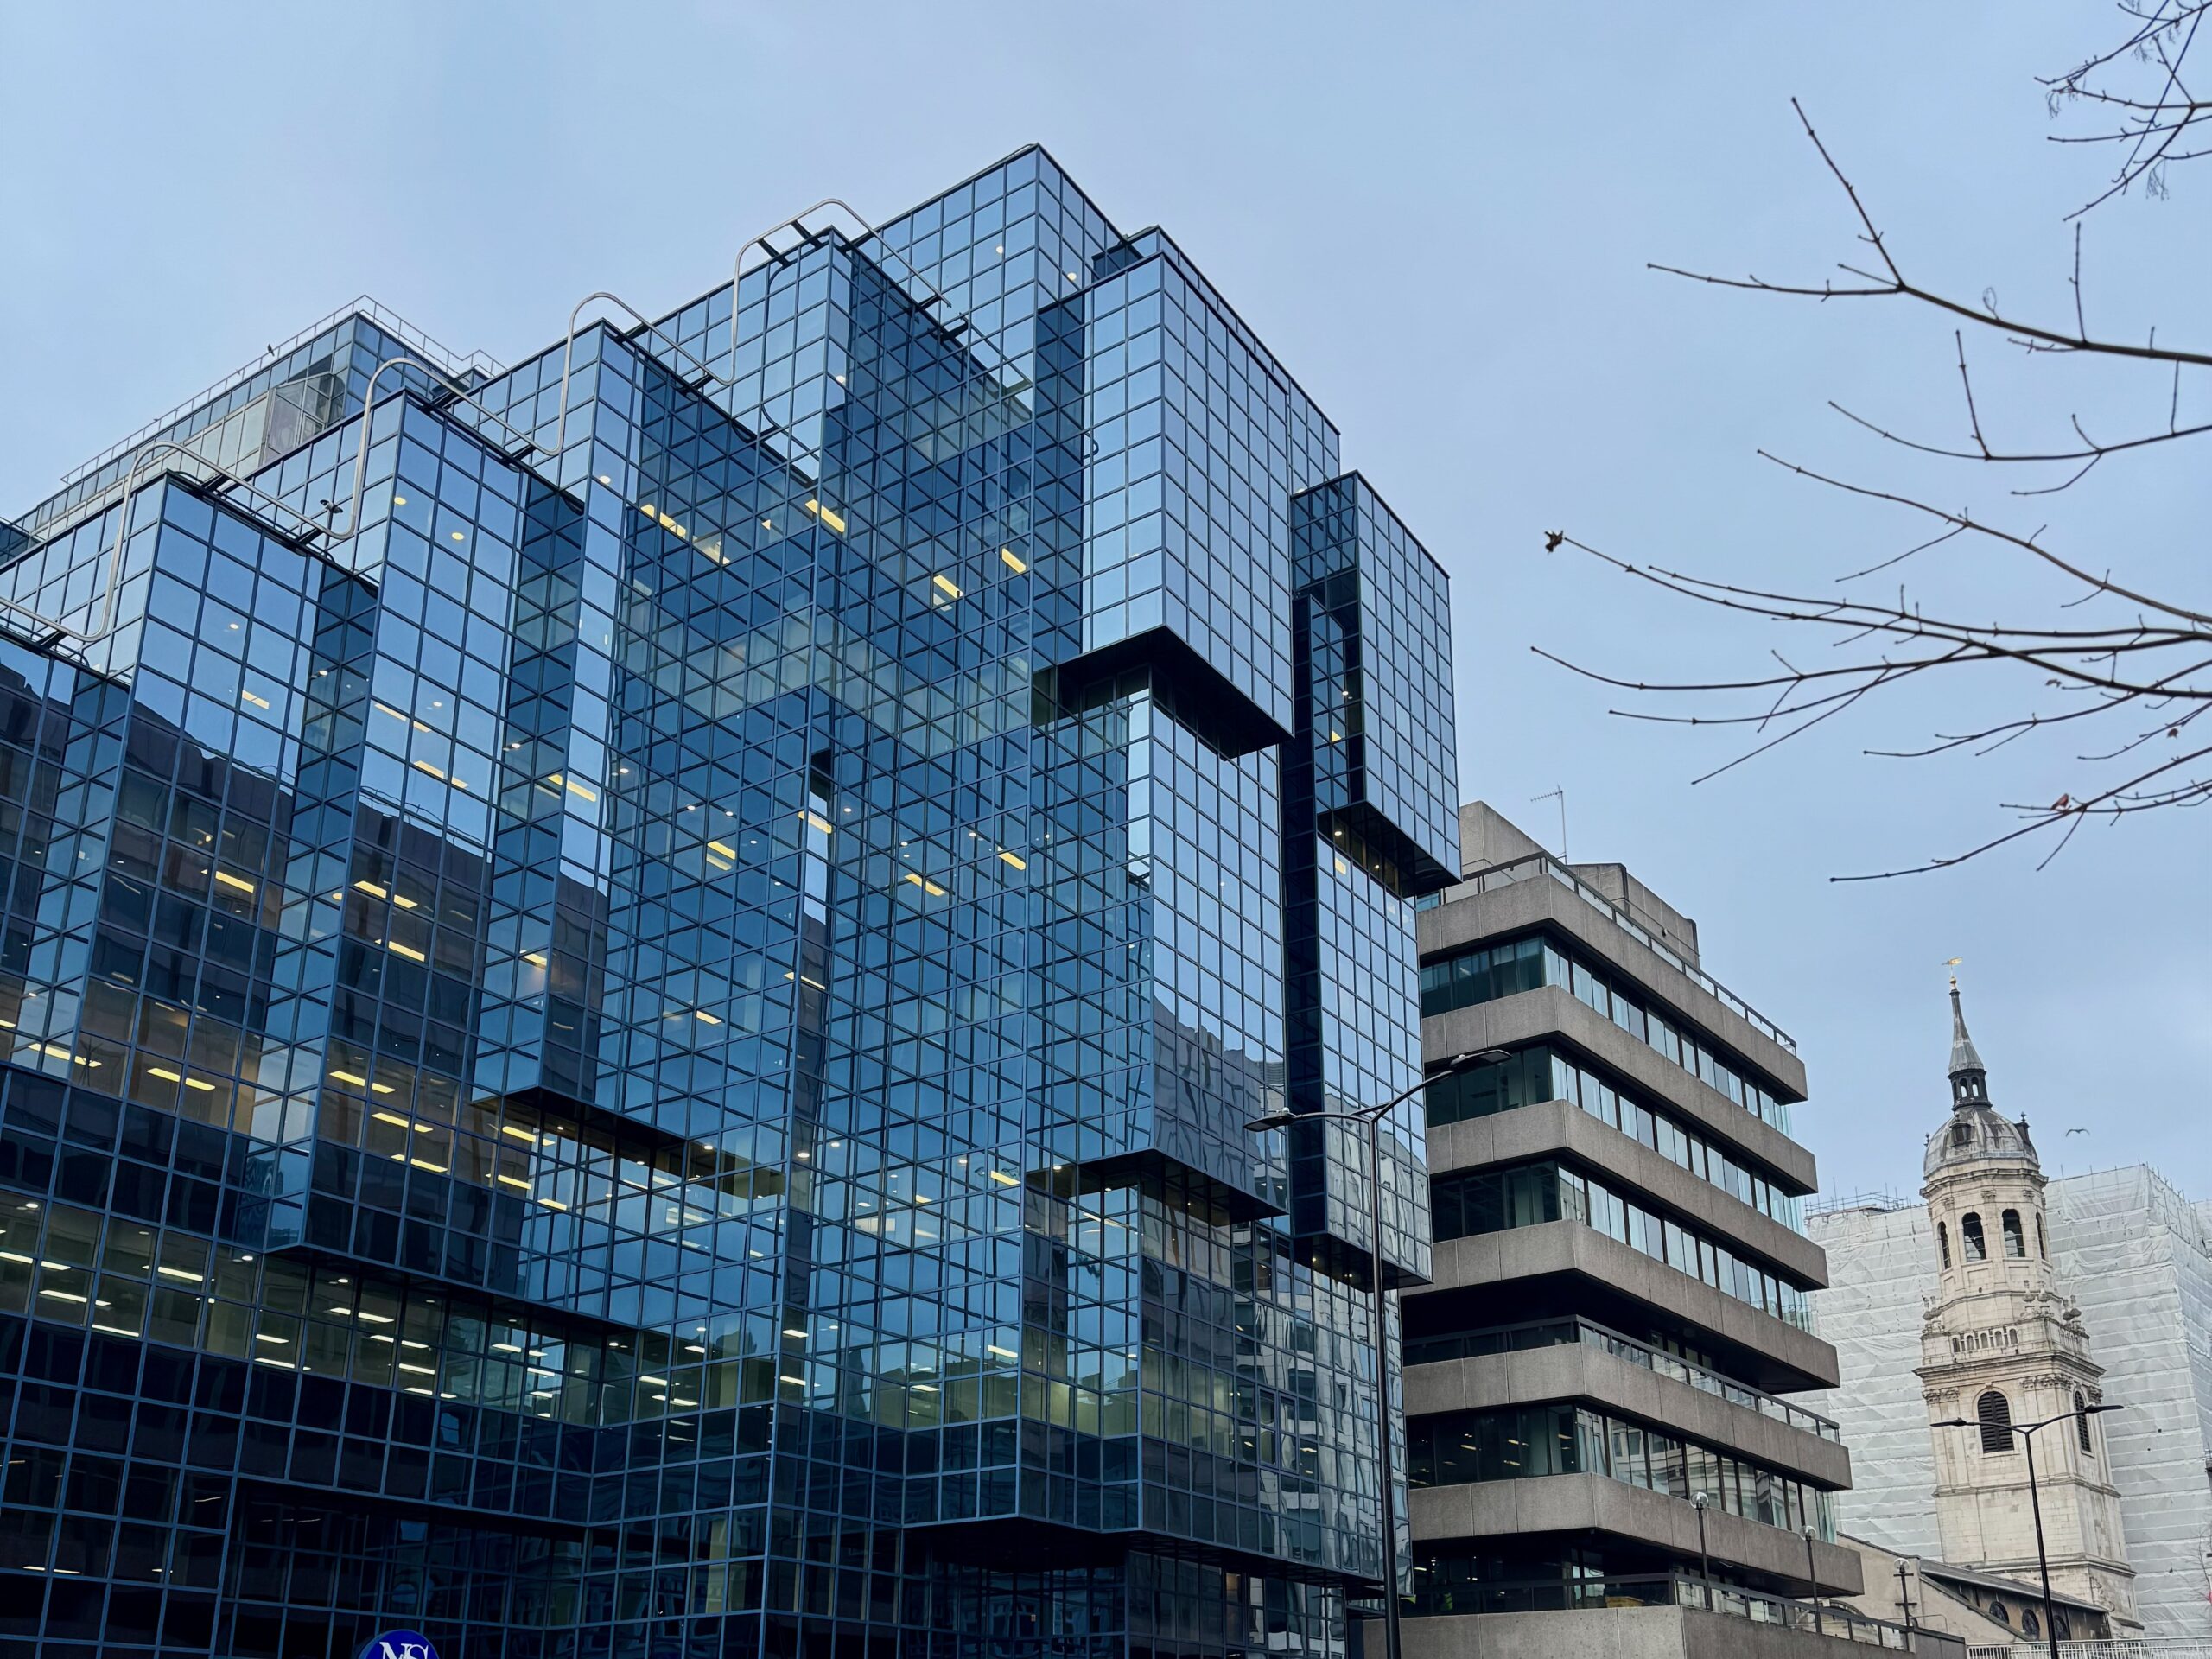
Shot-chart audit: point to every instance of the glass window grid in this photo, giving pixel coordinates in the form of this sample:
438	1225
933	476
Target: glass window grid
1378	678
1187	514
524	909
1351	881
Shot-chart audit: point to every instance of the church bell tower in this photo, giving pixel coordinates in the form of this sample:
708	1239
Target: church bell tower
2002	1343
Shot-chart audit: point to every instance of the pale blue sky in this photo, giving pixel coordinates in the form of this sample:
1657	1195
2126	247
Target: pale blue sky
1440	218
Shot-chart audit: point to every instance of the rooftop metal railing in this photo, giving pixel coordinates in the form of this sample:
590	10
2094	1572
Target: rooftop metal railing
1537	866
362	305
1883	1201
194	465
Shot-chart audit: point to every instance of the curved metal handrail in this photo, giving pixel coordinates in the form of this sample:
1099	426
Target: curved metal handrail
569	349
368	411
796	223
230	480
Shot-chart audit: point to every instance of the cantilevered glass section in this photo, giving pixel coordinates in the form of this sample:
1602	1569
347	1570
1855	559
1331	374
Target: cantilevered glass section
632	984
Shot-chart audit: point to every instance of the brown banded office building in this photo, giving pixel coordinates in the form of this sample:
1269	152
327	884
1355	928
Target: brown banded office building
1598	1381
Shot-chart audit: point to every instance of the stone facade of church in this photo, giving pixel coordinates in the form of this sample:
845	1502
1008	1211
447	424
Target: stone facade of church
2004	1348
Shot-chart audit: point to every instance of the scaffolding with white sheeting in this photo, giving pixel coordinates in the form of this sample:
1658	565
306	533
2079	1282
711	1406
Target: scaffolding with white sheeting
2137	1257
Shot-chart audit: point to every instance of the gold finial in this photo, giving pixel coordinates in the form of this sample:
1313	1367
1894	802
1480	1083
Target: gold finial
1954	963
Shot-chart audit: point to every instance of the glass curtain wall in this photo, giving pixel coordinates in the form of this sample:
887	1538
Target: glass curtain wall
646	1050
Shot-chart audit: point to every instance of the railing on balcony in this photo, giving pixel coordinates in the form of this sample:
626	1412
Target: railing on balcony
1681	1590
1553	1333
1537	866
2142	1647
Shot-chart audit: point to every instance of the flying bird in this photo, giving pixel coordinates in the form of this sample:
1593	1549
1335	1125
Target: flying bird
2073	1132
1553	538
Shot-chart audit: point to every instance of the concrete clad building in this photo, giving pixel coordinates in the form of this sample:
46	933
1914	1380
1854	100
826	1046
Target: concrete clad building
1601	1431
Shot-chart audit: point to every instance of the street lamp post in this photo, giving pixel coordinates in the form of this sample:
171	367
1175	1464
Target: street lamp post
1698	1501
2027	1434
1371	1118
1905	1593
1813	1576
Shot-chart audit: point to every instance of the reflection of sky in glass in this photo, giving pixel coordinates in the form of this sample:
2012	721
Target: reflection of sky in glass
749	933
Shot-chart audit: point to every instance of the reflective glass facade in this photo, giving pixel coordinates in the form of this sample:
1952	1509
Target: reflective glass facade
640	1045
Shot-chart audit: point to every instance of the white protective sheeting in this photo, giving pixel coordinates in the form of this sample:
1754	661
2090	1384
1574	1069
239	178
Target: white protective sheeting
1881	1274
2137	1256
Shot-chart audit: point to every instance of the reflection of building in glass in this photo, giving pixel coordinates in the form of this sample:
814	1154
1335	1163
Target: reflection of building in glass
645	1051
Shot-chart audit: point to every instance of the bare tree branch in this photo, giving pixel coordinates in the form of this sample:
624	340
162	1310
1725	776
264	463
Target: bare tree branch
2025	543
1895	286
2133	684
2150	127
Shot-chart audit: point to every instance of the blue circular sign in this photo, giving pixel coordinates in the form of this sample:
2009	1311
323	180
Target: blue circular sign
400	1644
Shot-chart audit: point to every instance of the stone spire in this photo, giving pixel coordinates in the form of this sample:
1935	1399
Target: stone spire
1970	1077
2001	1344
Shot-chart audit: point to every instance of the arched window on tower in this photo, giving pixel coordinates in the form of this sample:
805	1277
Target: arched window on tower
2016	1244
1970	1237
2082	1420
2042	1253
1996	1415
1943	1244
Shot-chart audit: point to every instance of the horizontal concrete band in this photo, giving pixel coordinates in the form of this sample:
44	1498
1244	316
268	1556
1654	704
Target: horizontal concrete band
1529	1017
1560	1126
1611	1633
1526	904
1587	1503
1569	1247
1592	1376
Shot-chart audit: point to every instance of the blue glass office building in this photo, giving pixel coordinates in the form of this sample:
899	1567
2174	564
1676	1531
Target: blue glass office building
633	997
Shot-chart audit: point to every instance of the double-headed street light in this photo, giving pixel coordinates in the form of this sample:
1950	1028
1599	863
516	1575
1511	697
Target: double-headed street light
2027	1434
1371	1118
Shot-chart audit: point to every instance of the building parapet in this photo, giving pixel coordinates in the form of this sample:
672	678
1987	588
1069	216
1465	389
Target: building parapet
1520	1609
1540	866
